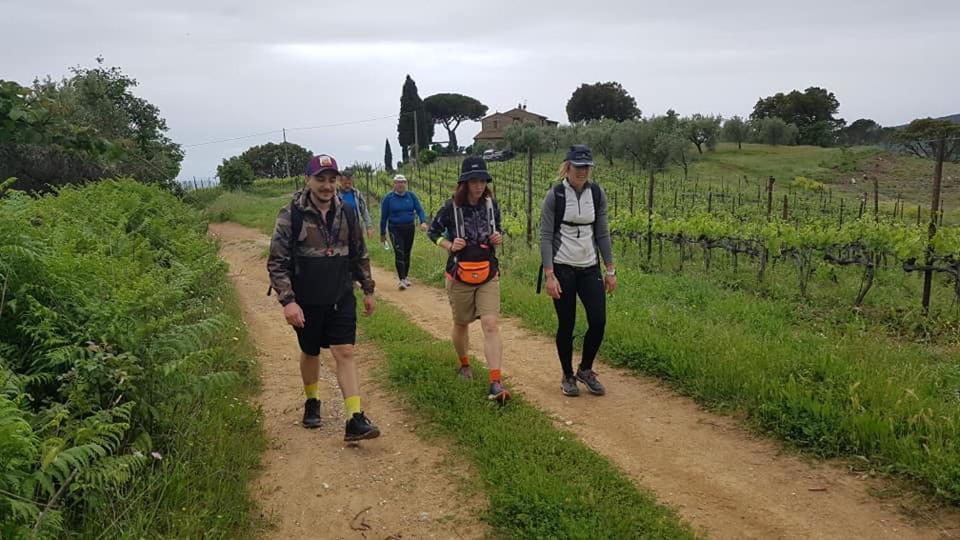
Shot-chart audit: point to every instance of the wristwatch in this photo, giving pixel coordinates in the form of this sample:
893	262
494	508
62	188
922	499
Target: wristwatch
612	273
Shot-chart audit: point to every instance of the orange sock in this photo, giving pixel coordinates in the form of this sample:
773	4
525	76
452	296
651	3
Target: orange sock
494	375
464	361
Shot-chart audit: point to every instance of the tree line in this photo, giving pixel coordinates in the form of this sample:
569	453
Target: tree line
83	127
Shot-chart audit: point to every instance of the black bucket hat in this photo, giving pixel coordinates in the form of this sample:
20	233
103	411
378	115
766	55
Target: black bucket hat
579	155
474	167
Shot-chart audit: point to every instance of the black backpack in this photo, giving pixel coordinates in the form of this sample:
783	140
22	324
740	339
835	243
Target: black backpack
560	208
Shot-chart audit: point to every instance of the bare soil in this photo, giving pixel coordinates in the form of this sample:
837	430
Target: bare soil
314	485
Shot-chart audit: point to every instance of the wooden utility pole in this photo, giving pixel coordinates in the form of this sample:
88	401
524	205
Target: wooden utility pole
286	158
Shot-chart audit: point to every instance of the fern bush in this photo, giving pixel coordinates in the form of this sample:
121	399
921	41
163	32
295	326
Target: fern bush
113	333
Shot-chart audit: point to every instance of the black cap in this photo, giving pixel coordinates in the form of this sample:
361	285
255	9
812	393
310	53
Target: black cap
579	155
348	173
474	167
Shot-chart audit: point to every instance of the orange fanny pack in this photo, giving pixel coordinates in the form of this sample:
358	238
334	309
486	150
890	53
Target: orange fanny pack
473	272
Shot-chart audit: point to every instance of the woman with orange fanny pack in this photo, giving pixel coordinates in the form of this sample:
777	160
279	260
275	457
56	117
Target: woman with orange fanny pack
468	227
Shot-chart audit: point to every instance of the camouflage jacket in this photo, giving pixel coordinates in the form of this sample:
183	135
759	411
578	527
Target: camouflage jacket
317	242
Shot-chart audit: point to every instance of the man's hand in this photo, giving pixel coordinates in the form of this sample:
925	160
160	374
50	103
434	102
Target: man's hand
457	245
496	239
553	287
423	227
369	304
294	315
369	232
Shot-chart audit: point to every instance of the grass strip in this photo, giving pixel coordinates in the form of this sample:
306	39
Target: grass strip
541	482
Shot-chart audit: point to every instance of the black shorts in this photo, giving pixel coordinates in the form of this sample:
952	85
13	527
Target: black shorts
328	325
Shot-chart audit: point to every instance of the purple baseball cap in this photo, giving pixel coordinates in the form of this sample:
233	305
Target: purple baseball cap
321	163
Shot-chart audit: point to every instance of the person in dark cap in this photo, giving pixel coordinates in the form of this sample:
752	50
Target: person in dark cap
316	253
355	200
468	228
574	234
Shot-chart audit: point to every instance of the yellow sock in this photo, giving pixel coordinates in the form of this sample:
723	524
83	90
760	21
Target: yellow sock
352	404
312	391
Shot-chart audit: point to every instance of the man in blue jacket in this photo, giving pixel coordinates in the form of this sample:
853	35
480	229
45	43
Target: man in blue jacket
355	200
399	209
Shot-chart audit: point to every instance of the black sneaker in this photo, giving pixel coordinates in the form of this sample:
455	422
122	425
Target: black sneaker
568	385
311	413
589	378
465	373
359	428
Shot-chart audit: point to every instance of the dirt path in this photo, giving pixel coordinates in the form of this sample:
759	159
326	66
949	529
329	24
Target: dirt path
313	485
725	481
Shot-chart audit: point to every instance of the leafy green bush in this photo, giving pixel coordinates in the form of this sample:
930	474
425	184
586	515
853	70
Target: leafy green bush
114	328
427	156
235	174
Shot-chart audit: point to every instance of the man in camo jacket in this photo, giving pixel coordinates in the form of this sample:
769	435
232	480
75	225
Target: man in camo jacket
316	253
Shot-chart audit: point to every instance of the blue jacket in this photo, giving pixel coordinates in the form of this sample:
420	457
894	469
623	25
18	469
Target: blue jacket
400	210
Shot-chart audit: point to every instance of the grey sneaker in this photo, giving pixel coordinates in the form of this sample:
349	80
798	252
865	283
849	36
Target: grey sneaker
568	385
498	393
403	284
589	378
406	281
465	373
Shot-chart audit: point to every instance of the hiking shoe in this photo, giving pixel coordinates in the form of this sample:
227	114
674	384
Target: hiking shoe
465	373
589	378
498	393
359	428
311	413
403	284
568	385
406	281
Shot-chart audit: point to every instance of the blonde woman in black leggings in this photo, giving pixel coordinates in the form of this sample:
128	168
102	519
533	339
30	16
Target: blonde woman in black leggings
574	233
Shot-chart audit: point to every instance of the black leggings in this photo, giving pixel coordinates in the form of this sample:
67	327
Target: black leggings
402	238
588	284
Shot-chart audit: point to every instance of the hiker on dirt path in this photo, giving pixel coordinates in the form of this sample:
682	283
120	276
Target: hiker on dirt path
574	233
468	227
316	252
400	208
355	199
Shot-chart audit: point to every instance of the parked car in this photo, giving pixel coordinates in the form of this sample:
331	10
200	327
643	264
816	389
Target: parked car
498	155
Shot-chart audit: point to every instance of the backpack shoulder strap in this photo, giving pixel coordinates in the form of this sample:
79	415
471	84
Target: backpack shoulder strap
595	192
491	216
296	225
458	226
559	205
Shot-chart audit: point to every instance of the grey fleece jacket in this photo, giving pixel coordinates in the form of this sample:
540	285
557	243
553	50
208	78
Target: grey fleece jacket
572	236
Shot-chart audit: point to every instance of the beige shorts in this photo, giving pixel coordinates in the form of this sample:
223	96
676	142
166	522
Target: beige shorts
470	302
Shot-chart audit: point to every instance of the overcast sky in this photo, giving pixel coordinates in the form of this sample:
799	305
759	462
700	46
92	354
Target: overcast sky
227	69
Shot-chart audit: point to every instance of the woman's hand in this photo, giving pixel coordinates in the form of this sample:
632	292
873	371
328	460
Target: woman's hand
553	287
457	245
496	239
423	227
610	282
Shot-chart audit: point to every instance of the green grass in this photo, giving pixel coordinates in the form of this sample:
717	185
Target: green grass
541	482
880	384
200	487
125	360
833	383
